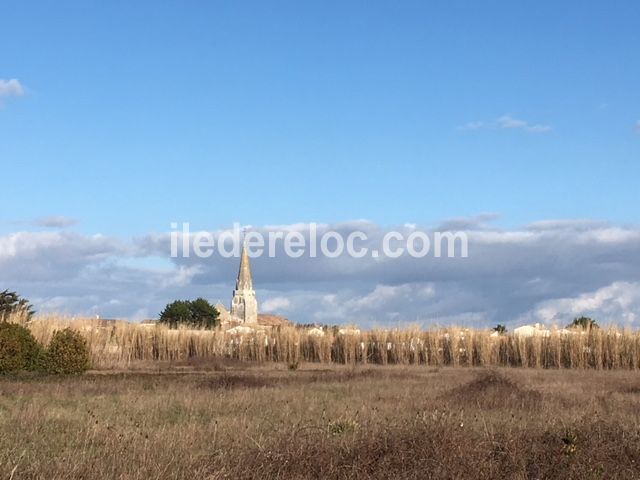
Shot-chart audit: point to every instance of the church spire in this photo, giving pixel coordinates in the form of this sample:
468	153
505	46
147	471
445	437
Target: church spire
244	281
244	306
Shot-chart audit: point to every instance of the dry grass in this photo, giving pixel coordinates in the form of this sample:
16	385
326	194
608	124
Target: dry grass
122	345
265	421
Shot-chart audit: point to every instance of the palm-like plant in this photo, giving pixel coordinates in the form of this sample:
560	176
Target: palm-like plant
12	304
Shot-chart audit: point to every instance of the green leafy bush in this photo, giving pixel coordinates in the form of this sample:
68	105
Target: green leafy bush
19	350
67	353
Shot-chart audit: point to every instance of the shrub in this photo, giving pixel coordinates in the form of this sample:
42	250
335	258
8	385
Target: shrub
67	353
19	350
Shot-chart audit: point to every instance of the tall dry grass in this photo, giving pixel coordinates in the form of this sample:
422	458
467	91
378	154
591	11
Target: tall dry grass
21	317
119	344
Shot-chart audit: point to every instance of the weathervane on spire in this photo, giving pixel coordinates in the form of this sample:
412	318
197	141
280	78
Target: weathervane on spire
244	236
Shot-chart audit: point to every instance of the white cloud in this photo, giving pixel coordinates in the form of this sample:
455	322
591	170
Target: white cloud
507	122
181	277
428	291
471	126
544	270
381	295
618	303
54	221
476	222
538	128
10	88
571	224
276	304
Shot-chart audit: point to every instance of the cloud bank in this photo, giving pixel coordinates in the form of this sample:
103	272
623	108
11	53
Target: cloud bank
547	271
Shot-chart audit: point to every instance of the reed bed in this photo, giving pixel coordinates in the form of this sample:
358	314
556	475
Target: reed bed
119	344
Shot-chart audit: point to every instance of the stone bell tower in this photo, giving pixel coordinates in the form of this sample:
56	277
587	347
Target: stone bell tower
244	306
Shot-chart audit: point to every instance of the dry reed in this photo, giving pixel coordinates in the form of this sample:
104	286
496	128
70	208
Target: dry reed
118	344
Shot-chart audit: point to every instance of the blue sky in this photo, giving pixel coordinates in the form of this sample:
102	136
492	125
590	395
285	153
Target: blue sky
137	114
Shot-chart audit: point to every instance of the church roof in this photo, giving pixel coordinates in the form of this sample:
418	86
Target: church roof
244	281
272	320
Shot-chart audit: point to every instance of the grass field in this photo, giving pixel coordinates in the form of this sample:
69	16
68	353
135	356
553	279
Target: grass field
203	419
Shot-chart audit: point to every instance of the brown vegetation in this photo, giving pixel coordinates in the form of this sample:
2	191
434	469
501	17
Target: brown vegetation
261	421
121	344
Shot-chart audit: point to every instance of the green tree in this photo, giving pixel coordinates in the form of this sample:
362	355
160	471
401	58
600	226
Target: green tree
12	303
176	313
501	329
585	323
204	314
195	313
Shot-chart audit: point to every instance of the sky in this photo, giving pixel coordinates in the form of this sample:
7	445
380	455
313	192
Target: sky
518	122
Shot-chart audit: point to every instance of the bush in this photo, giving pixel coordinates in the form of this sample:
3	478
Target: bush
19	350
67	353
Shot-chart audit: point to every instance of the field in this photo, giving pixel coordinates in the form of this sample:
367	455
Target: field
198	419
294	403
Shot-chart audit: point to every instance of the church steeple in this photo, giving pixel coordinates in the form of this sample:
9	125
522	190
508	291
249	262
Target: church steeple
244	306
244	281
